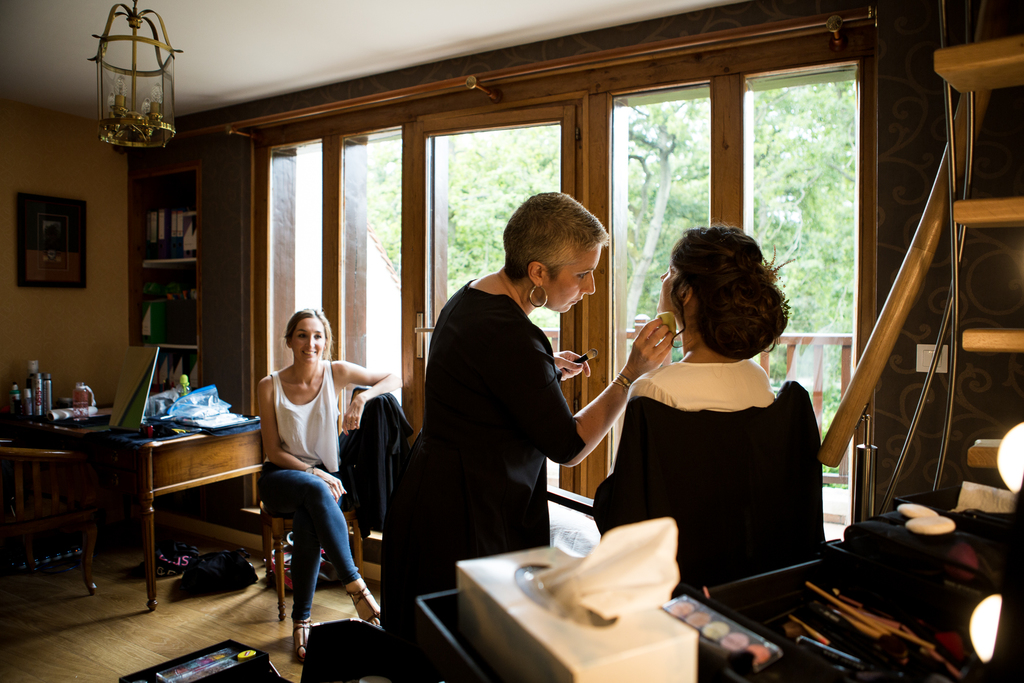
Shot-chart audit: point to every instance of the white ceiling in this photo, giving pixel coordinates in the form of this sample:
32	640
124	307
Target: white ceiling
240	50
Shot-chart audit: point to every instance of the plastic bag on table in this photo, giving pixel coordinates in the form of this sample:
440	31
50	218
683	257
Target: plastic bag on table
201	403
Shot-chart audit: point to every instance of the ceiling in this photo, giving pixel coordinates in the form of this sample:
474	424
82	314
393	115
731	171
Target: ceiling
242	50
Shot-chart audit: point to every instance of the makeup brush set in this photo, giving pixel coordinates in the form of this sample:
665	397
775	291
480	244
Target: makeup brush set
887	603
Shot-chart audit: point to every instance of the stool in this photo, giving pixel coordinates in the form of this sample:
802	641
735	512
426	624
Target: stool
274	530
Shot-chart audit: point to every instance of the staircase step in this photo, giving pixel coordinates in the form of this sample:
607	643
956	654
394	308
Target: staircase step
983	453
986	65
1000	212
994	341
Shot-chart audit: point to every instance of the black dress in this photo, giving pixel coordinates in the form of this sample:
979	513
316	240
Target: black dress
476	483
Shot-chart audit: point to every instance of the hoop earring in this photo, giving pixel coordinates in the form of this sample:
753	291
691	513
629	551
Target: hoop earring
534	303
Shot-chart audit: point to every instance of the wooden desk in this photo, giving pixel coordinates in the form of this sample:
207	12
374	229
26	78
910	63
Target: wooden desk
152	469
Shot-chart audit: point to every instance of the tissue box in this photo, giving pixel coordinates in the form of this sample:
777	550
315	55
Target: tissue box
526	643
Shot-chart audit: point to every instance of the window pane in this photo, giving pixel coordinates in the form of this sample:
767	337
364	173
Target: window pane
382	307
489	174
296	239
802	166
661	186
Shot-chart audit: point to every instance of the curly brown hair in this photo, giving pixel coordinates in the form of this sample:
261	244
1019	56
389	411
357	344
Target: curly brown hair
741	308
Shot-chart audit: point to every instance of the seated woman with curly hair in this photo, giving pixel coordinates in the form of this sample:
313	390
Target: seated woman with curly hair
729	310
705	440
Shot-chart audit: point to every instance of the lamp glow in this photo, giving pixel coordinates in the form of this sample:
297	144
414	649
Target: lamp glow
985	625
1010	458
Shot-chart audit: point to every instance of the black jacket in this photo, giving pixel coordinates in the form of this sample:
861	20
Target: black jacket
743	487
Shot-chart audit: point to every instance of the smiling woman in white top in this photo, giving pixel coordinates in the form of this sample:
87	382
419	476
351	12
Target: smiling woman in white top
729	308
299	421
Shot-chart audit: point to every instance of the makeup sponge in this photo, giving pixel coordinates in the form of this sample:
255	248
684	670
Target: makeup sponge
931	526
913	510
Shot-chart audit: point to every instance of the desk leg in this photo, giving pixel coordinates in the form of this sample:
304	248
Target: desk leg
148	542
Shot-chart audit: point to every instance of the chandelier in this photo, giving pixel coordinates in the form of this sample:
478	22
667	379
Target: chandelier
135	81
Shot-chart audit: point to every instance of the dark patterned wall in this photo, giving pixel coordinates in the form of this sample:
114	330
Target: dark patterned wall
910	142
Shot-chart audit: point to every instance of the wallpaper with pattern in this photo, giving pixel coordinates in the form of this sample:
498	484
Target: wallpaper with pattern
910	142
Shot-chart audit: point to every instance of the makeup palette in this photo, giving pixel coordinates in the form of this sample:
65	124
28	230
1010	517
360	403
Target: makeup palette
724	632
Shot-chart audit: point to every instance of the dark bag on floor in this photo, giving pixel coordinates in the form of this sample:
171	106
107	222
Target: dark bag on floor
224	570
172	558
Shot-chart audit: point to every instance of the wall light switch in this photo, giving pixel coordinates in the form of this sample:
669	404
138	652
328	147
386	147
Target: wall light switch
924	358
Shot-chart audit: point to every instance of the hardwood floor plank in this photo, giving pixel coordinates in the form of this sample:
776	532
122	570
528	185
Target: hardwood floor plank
52	630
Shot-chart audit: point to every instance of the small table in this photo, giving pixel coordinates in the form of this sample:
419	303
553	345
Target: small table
149	469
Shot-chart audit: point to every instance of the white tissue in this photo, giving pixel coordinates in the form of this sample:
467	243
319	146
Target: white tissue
985	498
632	569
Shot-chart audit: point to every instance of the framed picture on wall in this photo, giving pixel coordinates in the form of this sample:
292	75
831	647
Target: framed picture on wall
51	241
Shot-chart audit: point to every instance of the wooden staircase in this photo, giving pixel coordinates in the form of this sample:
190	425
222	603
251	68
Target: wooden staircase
987	65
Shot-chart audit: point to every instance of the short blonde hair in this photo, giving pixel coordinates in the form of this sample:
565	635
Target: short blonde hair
553	229
293	322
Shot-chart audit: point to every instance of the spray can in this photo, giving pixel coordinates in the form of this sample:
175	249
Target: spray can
47	393
26	401
37	393
15	399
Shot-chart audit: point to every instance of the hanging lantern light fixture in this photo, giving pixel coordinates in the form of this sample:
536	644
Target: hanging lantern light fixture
135	81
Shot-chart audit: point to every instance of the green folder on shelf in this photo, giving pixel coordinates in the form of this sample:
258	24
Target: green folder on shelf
154	322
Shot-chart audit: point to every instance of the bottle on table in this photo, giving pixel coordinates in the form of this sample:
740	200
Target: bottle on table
80	401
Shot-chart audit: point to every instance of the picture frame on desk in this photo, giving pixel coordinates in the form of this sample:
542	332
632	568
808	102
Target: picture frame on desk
51	241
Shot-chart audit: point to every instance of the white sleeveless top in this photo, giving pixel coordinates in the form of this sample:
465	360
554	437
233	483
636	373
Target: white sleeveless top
310	431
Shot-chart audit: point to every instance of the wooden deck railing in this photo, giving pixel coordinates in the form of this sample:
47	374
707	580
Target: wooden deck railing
815	383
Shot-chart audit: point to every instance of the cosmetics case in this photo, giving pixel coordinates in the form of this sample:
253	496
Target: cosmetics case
531	643
253	667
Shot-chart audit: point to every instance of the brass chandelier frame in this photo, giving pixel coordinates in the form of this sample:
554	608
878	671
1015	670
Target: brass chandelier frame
123	119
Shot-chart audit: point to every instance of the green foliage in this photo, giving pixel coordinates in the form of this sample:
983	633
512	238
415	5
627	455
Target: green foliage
490	173
384	194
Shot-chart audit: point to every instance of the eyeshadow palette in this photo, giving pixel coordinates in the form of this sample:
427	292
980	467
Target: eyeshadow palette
724	632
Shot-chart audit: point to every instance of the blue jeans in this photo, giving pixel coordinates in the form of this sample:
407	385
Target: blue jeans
317	520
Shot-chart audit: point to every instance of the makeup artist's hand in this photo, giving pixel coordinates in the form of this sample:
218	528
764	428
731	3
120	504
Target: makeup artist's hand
651	346
563	361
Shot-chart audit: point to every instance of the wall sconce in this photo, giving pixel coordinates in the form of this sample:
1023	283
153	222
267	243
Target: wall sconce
135	81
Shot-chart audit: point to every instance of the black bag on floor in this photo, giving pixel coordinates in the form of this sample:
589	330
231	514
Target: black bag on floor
172	558
224	570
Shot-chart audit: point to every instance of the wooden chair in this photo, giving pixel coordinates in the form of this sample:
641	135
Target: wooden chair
48	490
274	530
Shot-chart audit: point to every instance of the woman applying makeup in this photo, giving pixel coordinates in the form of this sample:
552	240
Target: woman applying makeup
299	421
494	412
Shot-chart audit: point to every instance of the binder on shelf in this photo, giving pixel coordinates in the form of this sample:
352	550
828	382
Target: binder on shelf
175	233
163	233
151	234
154	322
190	239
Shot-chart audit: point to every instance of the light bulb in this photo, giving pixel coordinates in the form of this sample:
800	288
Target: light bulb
1010	458
145	106
157	94
985	626
120	86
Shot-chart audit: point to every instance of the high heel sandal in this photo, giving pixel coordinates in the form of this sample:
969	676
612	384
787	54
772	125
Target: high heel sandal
300	636
364	595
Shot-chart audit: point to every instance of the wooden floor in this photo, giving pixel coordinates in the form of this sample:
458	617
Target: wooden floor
51	629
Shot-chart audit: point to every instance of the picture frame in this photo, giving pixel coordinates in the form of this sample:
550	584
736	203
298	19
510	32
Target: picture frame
51	241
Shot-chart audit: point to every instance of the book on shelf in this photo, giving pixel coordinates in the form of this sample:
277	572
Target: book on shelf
171	233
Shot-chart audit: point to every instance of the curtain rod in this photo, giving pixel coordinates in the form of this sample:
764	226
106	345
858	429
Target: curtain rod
716	39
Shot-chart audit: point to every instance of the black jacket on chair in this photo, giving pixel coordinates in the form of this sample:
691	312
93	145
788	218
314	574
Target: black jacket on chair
373	459
743	487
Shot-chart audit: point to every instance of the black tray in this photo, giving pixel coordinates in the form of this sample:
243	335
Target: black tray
256	669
